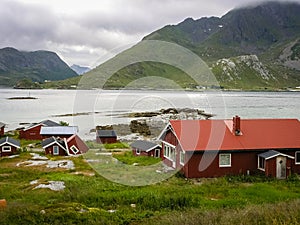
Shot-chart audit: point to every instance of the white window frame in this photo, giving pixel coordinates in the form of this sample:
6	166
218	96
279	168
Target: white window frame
55	147
182	157
74	149
138	151
170	152
5	150
258	163
222	155
296	158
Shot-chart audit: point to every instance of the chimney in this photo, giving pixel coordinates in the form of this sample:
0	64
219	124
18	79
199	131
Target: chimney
236	128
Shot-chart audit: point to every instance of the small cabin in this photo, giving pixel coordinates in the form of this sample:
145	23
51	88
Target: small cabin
9	146
106	136
58	146
32	132
146	148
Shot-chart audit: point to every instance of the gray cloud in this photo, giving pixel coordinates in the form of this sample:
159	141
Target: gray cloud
86	37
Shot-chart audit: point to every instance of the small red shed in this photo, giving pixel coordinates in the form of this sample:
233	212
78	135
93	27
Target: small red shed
73	145
106	136
8	146
212	148
146	148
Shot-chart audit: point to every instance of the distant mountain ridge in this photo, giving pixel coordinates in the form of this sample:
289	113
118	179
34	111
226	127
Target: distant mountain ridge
37	66
249	30
268	32
80	69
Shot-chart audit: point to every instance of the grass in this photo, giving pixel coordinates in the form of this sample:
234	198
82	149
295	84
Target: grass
130	159
96	200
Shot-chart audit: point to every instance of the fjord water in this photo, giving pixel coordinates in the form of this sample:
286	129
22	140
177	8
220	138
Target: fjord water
102	107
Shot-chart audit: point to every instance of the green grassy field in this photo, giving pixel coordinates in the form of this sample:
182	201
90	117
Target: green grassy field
89	198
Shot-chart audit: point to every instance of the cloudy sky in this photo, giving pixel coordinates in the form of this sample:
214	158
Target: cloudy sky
87	32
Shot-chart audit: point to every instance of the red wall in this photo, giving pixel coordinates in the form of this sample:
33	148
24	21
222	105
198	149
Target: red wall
49	150
107	140
241	162
80	145
31	134
14	150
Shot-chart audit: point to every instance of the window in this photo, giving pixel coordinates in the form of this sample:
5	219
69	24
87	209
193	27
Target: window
55	150
138	151
169	152
261	163
6	149
182	157
74	149
297	157
225	160
166	151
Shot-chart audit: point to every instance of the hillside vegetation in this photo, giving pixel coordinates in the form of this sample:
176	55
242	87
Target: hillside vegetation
36	66
89	198
253	47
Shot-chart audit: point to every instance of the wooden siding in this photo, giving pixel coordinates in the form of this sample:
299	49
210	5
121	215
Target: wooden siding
49	150
32	133
12	151
106	140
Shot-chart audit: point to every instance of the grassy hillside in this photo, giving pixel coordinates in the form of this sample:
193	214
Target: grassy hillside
37	66
88	198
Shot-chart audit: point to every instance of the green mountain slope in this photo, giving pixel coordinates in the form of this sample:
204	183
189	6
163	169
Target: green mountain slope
37	66
251	48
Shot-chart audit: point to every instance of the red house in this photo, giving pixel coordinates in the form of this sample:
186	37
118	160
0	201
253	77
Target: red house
2	125
106	136
32	132
73	145
8	146
213	148
146	148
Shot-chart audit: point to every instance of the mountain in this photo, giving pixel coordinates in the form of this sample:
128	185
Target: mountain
37	66
253	47
80	69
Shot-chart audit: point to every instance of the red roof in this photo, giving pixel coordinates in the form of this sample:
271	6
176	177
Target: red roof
255	134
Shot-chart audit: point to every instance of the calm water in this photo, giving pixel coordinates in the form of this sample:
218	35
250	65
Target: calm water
98	107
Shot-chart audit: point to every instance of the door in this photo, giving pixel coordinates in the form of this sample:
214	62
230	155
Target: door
157	153
281	167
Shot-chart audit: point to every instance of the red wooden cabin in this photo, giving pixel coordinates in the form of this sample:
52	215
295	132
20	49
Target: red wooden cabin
73	145
213	148
146	148
32	132
8	146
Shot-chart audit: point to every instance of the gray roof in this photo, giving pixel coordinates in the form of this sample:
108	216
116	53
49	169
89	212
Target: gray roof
2	124
48	123
10	141
51	140
144	145
106	133
59	130
271	154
